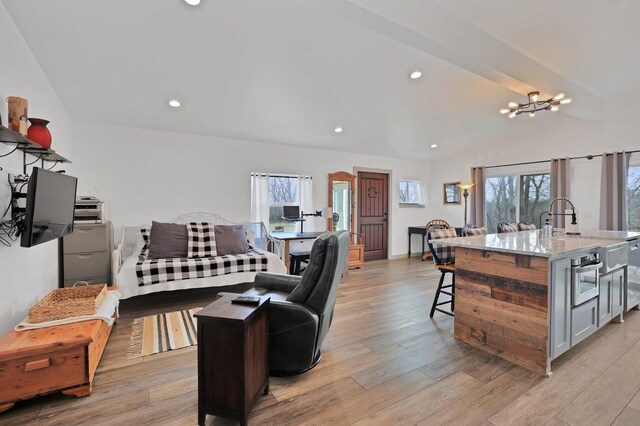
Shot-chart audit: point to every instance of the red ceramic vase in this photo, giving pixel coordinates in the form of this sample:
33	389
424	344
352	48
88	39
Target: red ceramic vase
39	133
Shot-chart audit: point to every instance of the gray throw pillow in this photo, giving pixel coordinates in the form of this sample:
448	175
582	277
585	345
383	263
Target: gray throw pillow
167	240
231	239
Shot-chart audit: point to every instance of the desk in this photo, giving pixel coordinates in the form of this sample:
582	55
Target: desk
287	237
233	358
422	230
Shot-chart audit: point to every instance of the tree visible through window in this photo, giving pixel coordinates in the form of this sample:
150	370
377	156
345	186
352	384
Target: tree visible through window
633	198
500	199
410	192
535	197
283	191
516	198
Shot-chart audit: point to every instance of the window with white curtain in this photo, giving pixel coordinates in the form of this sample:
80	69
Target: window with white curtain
516	198
411	193
270	193
633	198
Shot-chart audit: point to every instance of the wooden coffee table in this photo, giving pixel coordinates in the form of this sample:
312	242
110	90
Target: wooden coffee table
233	357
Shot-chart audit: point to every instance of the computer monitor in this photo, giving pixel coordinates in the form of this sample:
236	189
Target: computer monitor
291	212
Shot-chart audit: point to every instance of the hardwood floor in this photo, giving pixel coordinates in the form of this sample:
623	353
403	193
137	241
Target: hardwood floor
384	362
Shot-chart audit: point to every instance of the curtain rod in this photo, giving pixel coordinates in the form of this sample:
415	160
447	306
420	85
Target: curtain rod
588	157
282	176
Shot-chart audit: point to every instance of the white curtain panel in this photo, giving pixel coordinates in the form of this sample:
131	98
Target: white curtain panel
260	198
560	185
613	191
477	210
305	188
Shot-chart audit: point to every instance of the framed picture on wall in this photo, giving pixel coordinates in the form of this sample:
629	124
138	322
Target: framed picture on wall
451	192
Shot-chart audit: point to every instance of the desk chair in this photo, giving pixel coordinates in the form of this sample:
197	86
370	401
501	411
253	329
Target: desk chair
444	259
296	258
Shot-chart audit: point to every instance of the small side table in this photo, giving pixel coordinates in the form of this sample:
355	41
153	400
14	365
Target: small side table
233	357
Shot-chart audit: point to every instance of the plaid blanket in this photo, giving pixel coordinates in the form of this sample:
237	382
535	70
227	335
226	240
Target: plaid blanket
154	271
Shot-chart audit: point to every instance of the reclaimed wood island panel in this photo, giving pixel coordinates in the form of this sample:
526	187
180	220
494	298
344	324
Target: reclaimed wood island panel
502	305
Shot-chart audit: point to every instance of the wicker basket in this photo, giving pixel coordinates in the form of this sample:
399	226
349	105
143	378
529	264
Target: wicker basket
68	302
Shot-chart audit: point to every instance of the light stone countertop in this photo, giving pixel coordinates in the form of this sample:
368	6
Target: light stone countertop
531	243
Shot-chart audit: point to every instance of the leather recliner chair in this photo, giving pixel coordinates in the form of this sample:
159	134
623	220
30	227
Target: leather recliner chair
301	308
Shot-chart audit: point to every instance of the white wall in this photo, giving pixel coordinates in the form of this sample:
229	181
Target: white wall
26	274
558	135
146	175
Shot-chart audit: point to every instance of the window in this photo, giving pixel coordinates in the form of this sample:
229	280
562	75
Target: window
410	192
520	198
633	198
283	191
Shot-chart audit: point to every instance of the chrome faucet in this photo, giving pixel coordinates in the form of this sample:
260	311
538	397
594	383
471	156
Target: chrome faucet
550	213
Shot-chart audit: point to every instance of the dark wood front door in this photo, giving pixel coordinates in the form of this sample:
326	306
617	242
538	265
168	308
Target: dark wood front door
373	208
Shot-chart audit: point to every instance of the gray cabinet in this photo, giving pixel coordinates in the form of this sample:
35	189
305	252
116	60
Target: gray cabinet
604	300
560	307
86	254
611	298
584	321
617	291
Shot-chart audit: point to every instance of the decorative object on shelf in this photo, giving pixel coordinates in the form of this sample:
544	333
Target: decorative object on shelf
535	104
39	133
451	193
18	113
465	187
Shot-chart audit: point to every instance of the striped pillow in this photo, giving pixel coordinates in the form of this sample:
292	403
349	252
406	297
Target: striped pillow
476	231
525	227
509	227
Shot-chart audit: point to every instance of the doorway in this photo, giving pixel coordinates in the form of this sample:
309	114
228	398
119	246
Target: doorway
373	213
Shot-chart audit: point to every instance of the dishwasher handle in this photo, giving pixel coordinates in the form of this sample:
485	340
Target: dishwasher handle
587	267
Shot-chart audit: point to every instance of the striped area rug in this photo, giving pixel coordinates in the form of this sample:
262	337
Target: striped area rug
163	332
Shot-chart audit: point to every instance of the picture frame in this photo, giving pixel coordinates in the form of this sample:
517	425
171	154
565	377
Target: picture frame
451	193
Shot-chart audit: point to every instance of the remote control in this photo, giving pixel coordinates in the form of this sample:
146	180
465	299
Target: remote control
247	300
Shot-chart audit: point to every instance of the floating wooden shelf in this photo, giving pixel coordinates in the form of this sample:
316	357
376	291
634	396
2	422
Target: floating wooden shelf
28	146
44	154
10	137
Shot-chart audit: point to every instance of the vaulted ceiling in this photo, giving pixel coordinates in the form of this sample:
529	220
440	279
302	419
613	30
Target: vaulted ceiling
290	71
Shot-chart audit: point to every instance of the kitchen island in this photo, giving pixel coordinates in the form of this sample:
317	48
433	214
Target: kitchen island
514	295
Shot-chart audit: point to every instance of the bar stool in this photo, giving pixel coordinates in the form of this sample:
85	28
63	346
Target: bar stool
296	258
444	259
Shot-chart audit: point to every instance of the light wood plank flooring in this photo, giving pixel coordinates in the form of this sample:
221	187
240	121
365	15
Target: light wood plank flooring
385	362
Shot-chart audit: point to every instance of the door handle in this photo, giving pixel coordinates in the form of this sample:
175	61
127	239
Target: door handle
589	268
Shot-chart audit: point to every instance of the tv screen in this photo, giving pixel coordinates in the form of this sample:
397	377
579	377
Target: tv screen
51	199
291	212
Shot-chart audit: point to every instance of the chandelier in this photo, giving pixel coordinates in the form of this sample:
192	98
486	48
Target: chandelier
535	104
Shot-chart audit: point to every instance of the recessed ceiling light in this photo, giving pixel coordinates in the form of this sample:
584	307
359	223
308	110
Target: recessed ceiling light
338	129
434	145
192	2
415	75
174	103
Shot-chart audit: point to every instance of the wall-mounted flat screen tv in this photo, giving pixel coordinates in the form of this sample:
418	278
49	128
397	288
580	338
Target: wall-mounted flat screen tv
51	199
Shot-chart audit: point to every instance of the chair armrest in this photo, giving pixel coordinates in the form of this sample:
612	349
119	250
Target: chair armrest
286	316
276	282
